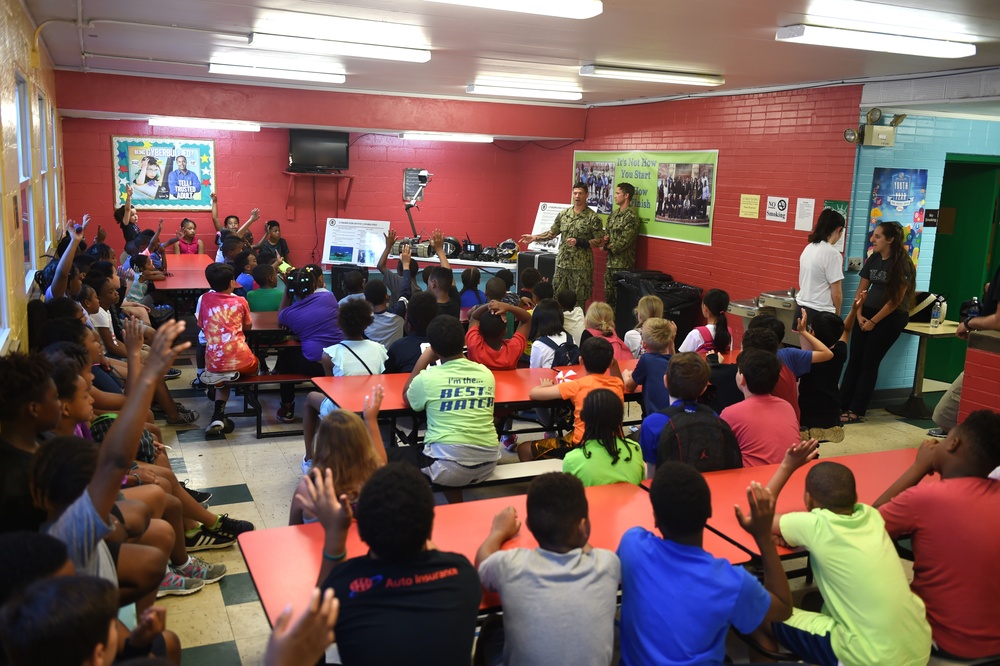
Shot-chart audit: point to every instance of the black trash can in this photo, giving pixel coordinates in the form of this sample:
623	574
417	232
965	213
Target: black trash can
337	273
629	293
545	262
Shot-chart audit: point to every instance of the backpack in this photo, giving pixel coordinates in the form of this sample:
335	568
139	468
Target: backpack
566	353
709	341
699	438
622	352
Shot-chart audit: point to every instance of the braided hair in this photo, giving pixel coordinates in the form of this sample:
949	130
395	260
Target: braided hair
301	283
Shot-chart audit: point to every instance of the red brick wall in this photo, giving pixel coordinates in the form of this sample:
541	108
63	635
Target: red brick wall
786	143
981	386
782	144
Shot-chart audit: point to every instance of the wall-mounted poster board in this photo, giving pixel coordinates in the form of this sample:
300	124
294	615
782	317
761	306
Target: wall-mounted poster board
349	241
674	191
165	173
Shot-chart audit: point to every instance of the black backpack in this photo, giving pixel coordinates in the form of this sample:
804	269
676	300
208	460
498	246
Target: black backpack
699	438
567	353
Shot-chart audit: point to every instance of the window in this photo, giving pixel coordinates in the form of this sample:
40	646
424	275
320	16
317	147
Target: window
45	181
23	137
54	170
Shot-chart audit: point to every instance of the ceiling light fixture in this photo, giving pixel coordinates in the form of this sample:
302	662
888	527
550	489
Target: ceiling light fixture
446	136
573	9
874	41
290	44
653	76
204	123
530	93
272	73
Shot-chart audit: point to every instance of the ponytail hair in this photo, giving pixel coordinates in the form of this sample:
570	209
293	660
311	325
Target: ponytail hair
602	317
828	221
717	302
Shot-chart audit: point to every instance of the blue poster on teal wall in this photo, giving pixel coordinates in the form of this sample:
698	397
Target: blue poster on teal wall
899	195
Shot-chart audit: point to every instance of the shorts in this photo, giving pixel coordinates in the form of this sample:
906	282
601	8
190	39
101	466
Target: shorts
327	407
442	472
811	647
551	447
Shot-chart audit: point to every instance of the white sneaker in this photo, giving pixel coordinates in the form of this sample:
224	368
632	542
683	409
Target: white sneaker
306	466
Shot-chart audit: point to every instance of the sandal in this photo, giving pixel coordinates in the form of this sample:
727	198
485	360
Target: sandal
849	417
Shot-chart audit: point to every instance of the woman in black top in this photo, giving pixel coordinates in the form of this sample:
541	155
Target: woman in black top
888	279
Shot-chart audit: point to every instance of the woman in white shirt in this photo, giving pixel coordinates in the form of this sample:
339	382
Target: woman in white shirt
821	267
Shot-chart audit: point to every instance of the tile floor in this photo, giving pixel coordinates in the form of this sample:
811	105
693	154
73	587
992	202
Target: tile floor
253	479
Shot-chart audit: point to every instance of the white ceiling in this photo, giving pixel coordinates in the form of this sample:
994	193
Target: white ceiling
734	38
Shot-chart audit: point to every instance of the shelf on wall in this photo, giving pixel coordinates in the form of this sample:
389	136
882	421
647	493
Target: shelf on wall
292	175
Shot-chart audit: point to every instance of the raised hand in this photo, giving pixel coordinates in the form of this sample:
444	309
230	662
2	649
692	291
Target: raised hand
373	402
214	197
803	320
254	215
128	193
437	240
800	453
405	253
332	512
305	641
390	238
133	337
102	235
761	517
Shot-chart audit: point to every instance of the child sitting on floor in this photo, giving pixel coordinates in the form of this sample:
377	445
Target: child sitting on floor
658	342
869	614
764	424
649	306
605	455
350	447
598	359
559	599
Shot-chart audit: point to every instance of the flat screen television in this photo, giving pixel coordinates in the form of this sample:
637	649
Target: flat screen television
317	151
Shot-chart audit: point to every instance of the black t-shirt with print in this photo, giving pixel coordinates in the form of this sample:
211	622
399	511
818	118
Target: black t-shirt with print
17	511
422	611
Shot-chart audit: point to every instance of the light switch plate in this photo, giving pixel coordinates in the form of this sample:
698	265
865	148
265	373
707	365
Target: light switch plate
854	263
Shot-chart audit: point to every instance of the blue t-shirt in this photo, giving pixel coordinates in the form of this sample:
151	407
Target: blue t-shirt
246	281
471	299
648	373
799	361
678	602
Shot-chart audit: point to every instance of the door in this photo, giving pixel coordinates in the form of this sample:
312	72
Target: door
962	254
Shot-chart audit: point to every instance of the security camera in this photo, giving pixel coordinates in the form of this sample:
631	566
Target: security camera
424	176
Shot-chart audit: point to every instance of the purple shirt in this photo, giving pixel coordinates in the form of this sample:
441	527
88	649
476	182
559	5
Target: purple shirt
314	321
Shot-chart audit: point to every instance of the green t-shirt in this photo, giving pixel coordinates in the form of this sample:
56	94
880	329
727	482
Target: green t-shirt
265	300
458	398
868	609
598	470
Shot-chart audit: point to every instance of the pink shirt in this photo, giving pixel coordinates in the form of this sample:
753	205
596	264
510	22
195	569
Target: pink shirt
955	526
765	426
188	248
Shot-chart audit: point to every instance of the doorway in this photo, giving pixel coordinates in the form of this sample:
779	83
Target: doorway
965	252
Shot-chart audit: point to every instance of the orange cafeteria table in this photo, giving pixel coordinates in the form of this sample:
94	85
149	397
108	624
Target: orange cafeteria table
187	273
873	473
284	562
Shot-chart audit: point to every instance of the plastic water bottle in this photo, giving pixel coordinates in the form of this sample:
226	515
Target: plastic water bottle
974	308
936	313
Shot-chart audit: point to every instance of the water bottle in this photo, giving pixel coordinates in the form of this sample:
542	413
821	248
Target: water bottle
936	313
974	308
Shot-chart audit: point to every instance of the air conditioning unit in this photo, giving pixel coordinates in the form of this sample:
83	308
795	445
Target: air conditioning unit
878	135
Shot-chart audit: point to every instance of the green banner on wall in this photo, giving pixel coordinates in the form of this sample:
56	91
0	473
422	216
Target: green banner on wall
674	191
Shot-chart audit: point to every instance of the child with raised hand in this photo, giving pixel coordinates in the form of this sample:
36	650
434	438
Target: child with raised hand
230	224
62	281
869	614
559	599
347	445
954	522
600	322
605	455
648	307
678	601
658	344
714	336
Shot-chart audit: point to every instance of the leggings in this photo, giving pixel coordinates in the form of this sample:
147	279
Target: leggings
292	362
868	348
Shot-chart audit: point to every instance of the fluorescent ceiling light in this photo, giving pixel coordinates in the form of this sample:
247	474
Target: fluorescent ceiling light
629	74
291	44
574	9
272	73
204	123
874	41
446	136
530	93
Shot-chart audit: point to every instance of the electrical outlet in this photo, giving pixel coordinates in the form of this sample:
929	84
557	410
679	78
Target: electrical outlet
854	263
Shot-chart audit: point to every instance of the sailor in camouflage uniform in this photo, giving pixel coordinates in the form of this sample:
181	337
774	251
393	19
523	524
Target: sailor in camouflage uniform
619	240
581	232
